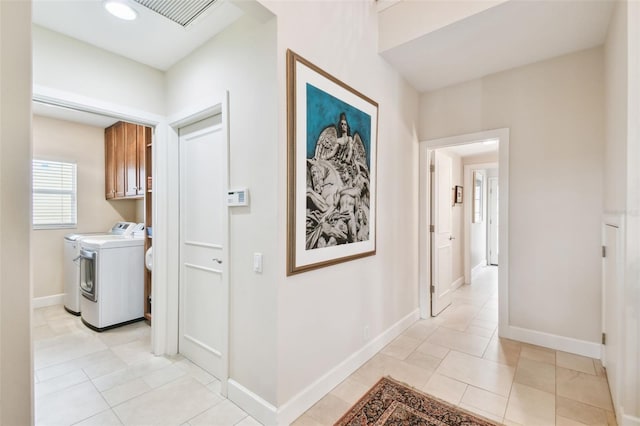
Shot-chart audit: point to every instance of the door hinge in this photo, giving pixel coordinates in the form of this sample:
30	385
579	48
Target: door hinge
432	228
433	289
604	251
604	338
432	168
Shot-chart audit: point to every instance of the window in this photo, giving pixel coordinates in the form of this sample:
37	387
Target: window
54	195
478	196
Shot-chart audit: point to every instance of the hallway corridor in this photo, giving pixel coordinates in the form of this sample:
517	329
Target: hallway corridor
458	357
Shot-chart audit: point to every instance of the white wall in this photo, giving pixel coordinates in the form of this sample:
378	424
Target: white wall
242	60
322	313
615	153
554	110
71	66
60	140
408	20
16	373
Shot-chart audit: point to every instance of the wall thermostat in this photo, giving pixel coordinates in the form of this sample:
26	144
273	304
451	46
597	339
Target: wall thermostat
238	197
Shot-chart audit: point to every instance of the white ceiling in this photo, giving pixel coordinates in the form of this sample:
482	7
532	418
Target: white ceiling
68	114
509	35
471	149
151	39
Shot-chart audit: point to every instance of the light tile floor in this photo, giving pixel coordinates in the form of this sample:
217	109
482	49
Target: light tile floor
458	357
111	378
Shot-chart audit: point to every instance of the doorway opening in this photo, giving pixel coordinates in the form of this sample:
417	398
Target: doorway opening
464	200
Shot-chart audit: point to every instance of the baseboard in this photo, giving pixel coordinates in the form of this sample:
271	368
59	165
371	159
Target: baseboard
627	420
553	341
253	404
304	400
477	267
267	414
41	302
457	283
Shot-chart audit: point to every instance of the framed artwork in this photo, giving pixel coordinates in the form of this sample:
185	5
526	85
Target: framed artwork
458	194
332	132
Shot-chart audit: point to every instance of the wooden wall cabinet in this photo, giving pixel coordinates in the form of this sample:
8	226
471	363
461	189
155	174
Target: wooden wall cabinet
125	145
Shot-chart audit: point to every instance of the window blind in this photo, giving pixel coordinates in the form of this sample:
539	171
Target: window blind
54	195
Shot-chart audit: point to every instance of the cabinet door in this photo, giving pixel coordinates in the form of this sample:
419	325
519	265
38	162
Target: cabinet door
131	159
109	163
144	138
119	150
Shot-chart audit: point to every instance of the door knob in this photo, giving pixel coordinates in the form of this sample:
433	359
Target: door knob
215	259
451	237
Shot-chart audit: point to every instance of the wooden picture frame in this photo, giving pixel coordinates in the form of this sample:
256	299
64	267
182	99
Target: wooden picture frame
332	132
458	194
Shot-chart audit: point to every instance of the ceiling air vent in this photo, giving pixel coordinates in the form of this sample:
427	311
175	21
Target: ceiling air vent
182	12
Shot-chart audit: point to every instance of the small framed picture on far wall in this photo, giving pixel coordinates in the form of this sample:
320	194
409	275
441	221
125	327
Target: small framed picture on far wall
458	194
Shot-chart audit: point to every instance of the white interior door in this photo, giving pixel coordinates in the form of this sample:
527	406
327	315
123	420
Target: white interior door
442	235
204	290
492	230
611	306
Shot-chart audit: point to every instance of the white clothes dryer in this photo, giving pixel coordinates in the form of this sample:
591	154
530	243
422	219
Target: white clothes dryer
111	281
71	266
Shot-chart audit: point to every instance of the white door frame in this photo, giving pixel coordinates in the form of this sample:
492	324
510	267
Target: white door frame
490	225
126	113
424	216
171	297
468	200
617	221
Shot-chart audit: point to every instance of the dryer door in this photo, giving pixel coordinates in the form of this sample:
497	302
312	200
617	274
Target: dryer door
88	262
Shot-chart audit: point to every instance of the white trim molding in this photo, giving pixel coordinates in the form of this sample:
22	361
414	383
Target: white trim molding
253	404
41	302
476	268
300	403
48	95
554	341
503	233
457	283
267	414
626	419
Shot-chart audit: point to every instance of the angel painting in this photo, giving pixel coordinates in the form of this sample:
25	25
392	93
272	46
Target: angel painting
337	188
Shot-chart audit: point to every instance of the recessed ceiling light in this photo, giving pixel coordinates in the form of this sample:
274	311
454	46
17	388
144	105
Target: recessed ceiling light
120	9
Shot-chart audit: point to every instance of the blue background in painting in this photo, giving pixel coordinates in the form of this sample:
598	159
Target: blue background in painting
323	110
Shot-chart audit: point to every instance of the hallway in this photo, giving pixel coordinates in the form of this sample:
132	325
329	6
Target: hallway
459	358
83	377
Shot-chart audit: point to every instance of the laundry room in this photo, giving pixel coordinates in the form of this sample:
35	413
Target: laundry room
63	140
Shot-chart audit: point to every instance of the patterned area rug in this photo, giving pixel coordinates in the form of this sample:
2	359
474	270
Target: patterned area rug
390	402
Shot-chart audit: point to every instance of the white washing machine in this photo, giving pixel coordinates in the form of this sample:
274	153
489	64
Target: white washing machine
111	281
71	268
